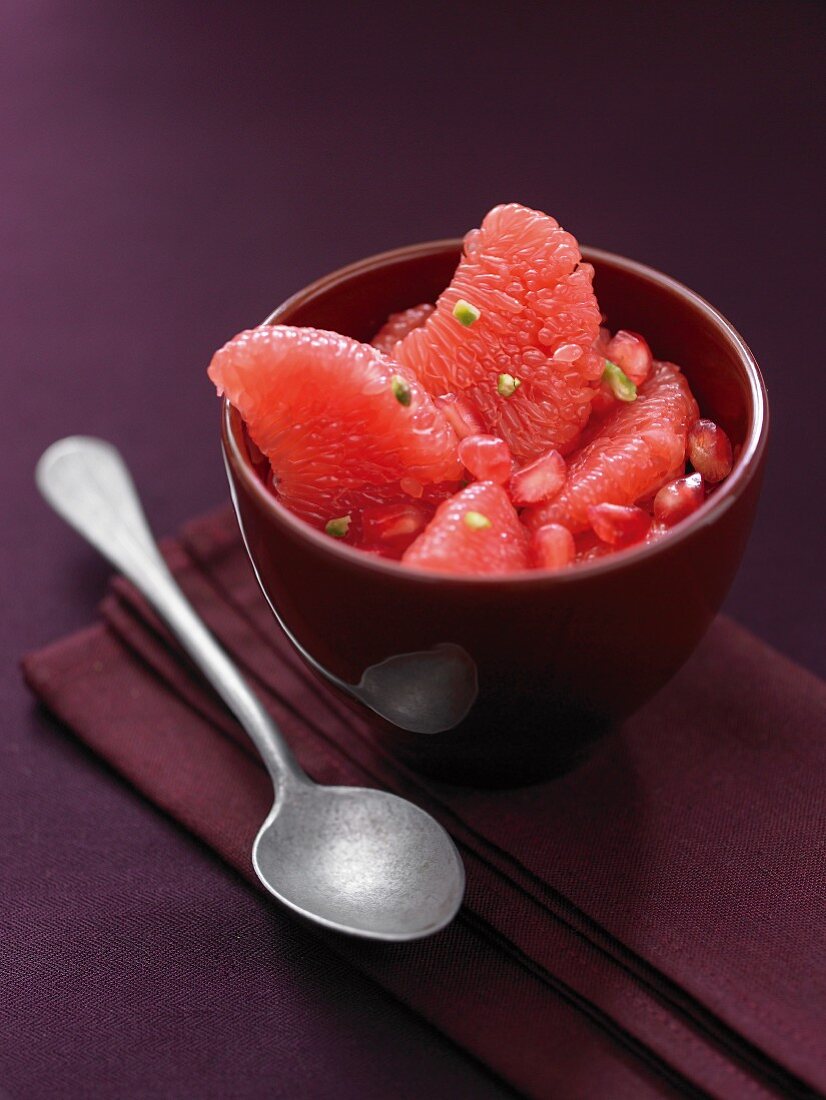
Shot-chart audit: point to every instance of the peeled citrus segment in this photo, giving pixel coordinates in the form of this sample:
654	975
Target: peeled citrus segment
397	326
461	415
476	531
393	523
341	424
527	363
636	447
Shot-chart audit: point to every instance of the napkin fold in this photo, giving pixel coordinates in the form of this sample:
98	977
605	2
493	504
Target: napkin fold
650	923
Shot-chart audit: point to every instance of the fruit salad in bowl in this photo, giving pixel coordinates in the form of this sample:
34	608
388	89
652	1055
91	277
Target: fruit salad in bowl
502	428
544	457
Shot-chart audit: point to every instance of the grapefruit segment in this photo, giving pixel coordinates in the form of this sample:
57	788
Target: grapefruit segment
526	363
397	326
341	424
476	531
637	447
461	415
390	528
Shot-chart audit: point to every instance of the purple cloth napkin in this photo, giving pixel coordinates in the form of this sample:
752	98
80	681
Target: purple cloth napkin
652	921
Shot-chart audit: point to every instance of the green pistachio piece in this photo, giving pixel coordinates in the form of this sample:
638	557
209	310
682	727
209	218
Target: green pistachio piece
465	313
621	385
476	521
401	390
338	527
507	385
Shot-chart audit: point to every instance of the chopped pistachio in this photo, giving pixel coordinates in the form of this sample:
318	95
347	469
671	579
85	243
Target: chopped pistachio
401	390
507	385
476	521
338	527
621	385
465	313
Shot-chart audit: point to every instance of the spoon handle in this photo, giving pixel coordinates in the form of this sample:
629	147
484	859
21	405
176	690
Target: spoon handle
87	483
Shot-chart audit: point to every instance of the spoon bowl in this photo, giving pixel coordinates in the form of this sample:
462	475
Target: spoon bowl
342	855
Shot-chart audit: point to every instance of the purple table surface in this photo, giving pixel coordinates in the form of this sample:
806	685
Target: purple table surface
171	172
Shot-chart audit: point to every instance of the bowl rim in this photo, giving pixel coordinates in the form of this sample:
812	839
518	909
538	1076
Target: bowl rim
717	504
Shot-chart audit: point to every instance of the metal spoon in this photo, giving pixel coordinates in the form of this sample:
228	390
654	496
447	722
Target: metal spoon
355	860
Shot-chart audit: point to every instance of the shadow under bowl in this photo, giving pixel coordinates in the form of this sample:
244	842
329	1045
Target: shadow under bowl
551	661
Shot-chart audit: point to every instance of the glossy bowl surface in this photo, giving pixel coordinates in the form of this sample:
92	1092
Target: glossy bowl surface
555	660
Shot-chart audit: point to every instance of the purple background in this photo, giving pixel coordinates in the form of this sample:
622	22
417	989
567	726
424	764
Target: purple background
171	172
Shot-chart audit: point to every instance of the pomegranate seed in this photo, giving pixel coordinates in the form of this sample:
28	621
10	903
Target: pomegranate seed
460	414
656	532
618	524
538	481
679	499
486	458
552	547
709	450
393	522
647	502
631	352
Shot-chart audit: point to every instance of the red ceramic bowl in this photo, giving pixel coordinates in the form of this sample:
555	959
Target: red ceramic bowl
542	663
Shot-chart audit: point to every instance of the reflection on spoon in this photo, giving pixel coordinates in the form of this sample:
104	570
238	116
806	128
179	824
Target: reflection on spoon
427	691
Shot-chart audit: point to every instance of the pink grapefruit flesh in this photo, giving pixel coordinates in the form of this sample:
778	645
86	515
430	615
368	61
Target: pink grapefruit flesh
341	424
527	364
476	531
397	326
636	448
